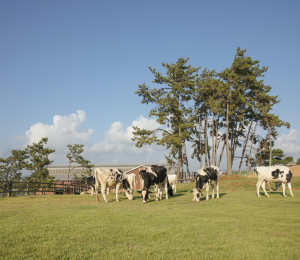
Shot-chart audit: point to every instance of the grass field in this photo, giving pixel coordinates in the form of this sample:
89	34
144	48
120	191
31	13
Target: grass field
237	226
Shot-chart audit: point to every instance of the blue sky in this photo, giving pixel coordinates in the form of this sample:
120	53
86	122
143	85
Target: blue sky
61	57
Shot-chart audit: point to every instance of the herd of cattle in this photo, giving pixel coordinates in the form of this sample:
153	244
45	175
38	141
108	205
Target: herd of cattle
157	176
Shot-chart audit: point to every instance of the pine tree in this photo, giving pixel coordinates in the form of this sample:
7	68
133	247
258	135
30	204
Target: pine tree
171	109
39	158
11	167
75	157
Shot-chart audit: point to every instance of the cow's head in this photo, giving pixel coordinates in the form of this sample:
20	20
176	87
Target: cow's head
128	190
197	194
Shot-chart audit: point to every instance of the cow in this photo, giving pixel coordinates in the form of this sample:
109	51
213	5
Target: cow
197	194
173	181
278	174
132	181
111	178
155	175
206	176
91	182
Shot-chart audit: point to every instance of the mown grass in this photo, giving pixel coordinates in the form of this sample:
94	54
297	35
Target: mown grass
237	226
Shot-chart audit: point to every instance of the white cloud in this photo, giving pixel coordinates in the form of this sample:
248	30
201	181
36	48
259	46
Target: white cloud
289	143
116	147
63	131
118	140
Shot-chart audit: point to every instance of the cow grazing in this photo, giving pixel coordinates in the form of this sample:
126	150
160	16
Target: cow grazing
111	178
155	175
91	182
132	181
173	181
207	176
278	174
197	194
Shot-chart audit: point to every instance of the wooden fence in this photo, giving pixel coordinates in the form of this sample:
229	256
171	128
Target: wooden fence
187	177
19	188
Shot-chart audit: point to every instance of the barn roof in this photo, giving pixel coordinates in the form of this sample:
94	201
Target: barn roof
60	171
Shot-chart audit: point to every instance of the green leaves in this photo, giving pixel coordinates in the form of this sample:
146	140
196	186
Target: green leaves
75	157
171	106
39	159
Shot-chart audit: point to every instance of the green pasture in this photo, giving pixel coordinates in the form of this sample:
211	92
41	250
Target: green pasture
237	226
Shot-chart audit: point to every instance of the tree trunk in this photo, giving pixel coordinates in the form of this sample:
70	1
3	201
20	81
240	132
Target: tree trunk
252	139
228	157
200	147
205	138
179	157
270	144
69	173
216	142
244	147
186	161
221	154
212	139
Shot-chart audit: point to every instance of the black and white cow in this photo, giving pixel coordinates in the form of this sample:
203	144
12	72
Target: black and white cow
111	178
91	182
207	176
155	175
278	174
173	181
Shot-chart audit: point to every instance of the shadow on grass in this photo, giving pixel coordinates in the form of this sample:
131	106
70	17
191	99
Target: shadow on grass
203	198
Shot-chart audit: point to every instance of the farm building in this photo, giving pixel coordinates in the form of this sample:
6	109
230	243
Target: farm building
60	171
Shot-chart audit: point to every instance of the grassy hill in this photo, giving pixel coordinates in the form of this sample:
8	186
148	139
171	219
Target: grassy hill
237	226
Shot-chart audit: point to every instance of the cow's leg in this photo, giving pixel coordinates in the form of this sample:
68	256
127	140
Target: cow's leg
290	188
96	190
258	184
134	185
107	191
161	188
166	188
103	185
217	186
213	191
263	185
93	191
207	191
157	192
117	191
283	189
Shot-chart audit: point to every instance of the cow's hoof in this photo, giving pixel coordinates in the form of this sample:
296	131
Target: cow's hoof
106	201
144	201
217	197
